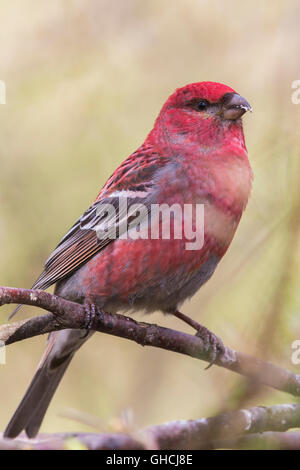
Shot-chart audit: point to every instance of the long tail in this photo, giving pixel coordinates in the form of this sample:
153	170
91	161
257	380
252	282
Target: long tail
30	413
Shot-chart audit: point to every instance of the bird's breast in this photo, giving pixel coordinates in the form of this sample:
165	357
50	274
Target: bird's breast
221	185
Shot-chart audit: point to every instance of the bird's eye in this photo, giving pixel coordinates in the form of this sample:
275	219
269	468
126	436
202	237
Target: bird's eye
201	105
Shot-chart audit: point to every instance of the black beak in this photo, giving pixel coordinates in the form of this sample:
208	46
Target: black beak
234	106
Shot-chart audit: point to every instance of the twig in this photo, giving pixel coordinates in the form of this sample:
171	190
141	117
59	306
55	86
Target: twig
228	430
66	314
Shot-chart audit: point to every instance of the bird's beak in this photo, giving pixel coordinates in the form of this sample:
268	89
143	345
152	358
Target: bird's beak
234	106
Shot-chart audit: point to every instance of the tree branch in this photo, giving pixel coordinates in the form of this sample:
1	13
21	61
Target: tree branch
264	441
236	429
66	314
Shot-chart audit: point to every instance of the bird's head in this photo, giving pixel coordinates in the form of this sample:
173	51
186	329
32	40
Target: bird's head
202	113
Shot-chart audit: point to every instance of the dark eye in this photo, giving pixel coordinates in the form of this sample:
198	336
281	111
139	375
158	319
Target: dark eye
201	105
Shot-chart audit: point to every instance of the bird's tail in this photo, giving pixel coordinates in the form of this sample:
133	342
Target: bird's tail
30	413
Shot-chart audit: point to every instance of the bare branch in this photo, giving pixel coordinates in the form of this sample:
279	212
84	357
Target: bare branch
264	441
210	433
66	314
237	429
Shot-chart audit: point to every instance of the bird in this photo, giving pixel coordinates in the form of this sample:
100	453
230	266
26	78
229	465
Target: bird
194	155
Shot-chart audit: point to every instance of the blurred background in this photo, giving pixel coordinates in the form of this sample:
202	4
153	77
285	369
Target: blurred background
85	81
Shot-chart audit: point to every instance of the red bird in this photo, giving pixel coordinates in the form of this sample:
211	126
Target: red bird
195	154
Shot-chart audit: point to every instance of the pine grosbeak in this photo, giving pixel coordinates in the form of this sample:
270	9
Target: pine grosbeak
195	154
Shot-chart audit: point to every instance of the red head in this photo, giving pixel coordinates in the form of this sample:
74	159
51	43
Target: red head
203	114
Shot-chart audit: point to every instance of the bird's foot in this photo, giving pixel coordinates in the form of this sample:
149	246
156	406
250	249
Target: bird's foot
212	343
91	311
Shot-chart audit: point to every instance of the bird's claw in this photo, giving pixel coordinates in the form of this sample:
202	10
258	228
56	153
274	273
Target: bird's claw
212	343
91	311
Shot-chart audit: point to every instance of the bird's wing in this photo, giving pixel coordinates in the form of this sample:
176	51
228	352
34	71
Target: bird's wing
97	227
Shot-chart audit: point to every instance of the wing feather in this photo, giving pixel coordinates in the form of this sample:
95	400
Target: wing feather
82	242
